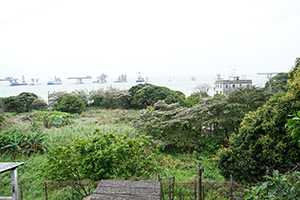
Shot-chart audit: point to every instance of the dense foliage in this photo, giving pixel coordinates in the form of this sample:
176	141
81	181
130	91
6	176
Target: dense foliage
50	119
20	103
278	187
277	83
107	156
294	125
204	126
249	98
18	142
71	103
263	141
111	98
147	95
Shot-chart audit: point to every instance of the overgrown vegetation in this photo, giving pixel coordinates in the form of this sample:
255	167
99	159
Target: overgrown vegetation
71	103
241	135
263	141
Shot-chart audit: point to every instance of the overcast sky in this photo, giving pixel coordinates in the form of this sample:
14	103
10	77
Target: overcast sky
42	38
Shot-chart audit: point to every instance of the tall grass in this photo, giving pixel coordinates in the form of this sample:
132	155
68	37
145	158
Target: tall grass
67	135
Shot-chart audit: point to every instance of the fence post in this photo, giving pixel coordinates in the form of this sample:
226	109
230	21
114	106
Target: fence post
173	197
195	184
161	191
21	190
199	177
46	190
231	192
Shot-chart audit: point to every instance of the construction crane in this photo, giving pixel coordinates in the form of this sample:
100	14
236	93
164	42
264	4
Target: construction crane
79	79
101	78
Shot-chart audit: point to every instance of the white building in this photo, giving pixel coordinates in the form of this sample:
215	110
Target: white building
226	86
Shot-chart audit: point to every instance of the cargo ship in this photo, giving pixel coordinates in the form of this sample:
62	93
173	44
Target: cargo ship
140	78
121	79
13	82
55	81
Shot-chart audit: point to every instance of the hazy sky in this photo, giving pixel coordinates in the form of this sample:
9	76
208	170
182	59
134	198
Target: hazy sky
42	38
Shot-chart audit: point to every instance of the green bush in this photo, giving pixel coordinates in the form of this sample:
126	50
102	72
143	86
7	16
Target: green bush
107	156
278	187
71	103
52	119
39	104
111	98
20	103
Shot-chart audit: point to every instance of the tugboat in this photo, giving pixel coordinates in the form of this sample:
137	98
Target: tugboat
13	82
56	81
122	79
140	78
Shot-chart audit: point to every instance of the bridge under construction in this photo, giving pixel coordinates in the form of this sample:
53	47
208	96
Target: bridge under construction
79	79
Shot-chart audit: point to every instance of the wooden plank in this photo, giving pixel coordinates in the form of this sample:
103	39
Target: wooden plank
125	191
116	189
121	197
6	166
135	184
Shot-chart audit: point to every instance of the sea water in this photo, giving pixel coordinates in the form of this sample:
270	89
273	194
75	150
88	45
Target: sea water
185	84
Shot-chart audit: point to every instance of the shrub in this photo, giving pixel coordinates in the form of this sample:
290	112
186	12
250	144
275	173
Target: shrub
71	103
39	104
107	156
278	187
111	98
20	103
55	97
52	119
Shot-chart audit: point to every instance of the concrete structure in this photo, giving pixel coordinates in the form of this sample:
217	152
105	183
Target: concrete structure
12	166
79	79
233	83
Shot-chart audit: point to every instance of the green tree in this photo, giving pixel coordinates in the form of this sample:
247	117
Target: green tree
195	98
71	103
147	95
220	117
262	141
249	98
277	83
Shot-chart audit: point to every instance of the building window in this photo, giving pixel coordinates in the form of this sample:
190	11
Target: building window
226	86
233	86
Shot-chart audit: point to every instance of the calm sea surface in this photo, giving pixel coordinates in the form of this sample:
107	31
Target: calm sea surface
180	83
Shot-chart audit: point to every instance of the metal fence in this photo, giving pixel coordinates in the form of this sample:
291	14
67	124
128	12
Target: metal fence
55	190
77	190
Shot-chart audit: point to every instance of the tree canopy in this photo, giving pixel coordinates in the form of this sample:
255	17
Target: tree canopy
262	141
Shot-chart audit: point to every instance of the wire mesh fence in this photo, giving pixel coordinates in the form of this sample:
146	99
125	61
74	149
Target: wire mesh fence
55	190
77	190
